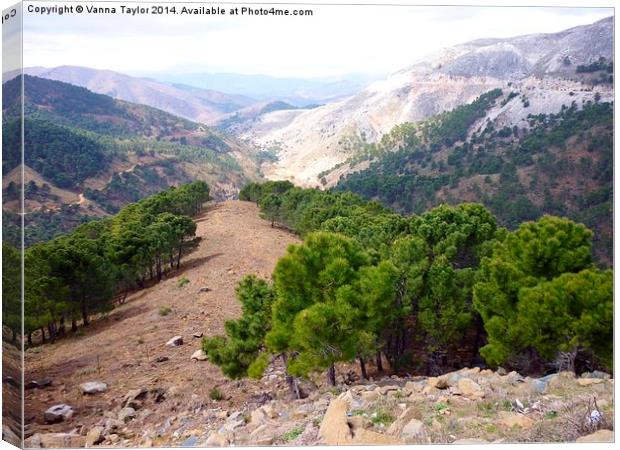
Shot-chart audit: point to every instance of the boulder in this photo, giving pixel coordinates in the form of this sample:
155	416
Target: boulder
413	430
216	439
469	388
55	440
369	396
198	334
261	436
412	387
93	387
199	355
175	341
134	394
598	436
94	436
58	413
260	417
384	390
367	437
126	414
511	419
358	422
334	428
589	381
405	417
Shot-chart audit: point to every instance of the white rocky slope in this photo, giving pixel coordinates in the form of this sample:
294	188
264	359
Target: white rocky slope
541	67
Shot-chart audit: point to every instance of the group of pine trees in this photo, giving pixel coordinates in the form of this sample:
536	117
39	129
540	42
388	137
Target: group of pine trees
371	285
71	277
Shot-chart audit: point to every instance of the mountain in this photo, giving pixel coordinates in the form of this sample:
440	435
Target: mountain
200	105
546	70
297	91
87	155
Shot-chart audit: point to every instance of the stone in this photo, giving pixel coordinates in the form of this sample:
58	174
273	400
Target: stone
598	436
369	396
94	436
412	387
198	335
199	355
191	441
259	417
38	384
93	387
175	341
112	425
558	379
471	441
58	413
358	422
204	289
589	381
599	374
511	419
216	439
469	388
501	371
161	359
263	435
126	414
384	390
432	382
538	386
413	430
367	437
55	440
334	428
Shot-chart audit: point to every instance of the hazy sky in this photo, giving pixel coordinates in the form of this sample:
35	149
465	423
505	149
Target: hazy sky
336	40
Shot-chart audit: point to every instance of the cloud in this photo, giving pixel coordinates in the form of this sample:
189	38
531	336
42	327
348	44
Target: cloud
335	40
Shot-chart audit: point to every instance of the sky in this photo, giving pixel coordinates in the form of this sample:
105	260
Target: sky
333	42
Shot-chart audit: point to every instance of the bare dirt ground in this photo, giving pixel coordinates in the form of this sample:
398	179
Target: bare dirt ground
121	349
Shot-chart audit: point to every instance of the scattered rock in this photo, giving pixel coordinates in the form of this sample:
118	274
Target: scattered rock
510	419
501	371
204	289
334	428
598	436
413	430
199	355
198	335
34	384
191	441
93	387
263	435
112	425
126	414
369	396
94	436
161	359
384	390
175	341
216	440
259	417
134	394
58	413
599	374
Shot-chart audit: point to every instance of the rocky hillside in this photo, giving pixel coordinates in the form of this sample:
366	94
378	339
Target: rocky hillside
200	105
88	154
548	70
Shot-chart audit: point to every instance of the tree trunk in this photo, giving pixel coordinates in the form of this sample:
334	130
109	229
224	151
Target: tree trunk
378	361
179	257
14	336
73	325
43	335
331	375
29	338
62	328
85	314
363	368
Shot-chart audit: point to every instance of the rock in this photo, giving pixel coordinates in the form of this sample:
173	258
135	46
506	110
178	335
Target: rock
93	387
510	419
369	396
469	388
175	341
358	422
94	436
112	425
432	382
126	414
367	437
191	441
259	417
501	371
538	386
161	359
199	355
560	378
40	384
216	440
134	394
384	390
263	435
58	413
598	436
204	289
589	381
601	375
470	441
412	387
334	428
413	430
55	440
198	335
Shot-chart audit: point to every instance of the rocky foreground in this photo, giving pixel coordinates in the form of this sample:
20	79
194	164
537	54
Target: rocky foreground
466	406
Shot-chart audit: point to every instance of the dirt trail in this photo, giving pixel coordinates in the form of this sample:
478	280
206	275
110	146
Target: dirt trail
125	344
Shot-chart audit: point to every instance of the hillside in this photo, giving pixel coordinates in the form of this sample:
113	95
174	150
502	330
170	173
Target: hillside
200	105
105	153
560	164
157	395
549	70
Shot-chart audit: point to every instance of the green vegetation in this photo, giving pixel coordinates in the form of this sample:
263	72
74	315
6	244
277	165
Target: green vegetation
418	291
292	434
164	311
519	174
182	282
73	276
216	394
